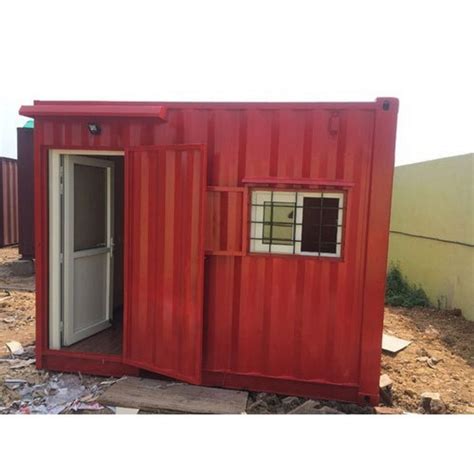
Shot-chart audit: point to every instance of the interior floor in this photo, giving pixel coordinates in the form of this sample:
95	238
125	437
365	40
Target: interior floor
108	341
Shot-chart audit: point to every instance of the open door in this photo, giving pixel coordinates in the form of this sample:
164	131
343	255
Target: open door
164	259
88	246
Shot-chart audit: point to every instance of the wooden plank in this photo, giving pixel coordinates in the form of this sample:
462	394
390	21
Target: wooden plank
148	394
393	344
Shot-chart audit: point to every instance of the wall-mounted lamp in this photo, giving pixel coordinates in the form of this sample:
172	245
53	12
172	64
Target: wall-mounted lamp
94	128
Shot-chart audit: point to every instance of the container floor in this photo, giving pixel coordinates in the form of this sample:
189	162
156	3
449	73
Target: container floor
108	341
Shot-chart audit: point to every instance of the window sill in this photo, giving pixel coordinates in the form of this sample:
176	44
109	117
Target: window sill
336	259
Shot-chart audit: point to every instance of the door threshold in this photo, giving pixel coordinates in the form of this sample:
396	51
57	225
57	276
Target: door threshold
86	363
83	355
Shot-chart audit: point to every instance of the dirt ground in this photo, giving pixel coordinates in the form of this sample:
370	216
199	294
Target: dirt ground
439	359
17	308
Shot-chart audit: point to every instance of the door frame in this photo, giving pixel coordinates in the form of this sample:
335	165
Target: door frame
55	190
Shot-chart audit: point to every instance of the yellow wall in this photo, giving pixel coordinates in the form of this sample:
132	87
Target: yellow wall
435	200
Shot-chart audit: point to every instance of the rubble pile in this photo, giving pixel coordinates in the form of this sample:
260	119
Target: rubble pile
43	392
270	403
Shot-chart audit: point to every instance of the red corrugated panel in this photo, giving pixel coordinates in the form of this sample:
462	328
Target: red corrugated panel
164	259
286	302
224	224
294	324
9	202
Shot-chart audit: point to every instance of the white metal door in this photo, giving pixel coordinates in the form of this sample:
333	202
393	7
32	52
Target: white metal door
88	246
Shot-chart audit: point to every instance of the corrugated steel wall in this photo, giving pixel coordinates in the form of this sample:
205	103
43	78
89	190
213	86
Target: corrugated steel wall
8	202
287	318
26	193
290	316
165	260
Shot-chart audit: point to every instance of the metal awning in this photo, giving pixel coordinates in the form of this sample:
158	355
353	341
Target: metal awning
94	111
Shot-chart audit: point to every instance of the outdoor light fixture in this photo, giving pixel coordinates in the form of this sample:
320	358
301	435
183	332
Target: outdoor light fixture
94	128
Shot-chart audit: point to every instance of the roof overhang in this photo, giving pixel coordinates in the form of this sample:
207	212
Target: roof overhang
94	111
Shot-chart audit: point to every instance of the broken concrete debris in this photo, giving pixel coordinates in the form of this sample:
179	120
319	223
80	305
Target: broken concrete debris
430	361
15	348
385	381
281	404
17	351
385	388
431	403
308	407
290	403
258	407
314	407
271	399
392	344
311	407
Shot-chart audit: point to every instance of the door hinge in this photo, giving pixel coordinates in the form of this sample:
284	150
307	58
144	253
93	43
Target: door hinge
61	179
61	258
61	326
112	245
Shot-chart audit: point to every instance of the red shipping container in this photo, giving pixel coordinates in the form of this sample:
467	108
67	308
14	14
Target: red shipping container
254	240
8	202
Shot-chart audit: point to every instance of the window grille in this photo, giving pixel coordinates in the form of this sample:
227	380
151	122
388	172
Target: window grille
299	222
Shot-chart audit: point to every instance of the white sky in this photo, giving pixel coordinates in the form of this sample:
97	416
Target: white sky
420	52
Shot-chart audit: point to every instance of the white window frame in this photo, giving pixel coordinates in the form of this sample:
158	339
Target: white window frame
258	199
